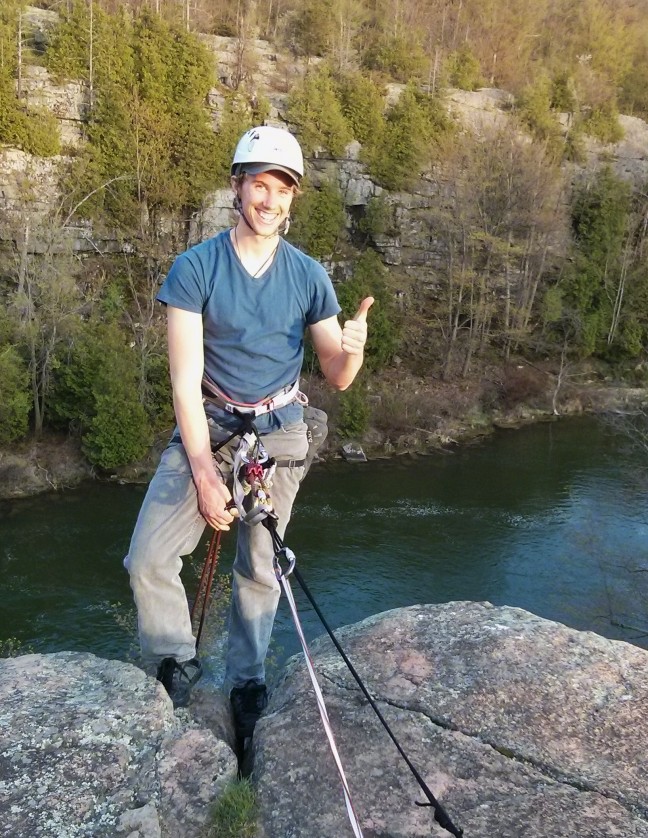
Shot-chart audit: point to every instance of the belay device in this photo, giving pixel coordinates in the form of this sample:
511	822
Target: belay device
253	471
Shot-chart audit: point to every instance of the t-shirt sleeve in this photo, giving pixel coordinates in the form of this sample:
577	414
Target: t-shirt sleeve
184	286
324	302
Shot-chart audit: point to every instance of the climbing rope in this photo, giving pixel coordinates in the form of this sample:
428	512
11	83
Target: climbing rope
281	551
252	473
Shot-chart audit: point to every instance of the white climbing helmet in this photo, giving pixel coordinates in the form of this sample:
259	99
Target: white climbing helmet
266	149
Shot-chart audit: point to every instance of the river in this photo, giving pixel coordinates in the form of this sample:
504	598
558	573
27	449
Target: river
551	518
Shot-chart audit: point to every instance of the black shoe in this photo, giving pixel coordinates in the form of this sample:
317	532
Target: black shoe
178	679
248	702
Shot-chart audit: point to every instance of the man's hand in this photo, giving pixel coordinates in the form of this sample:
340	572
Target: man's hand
354	332
213	499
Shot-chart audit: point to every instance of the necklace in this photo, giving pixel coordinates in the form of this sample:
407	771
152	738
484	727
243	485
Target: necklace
263	266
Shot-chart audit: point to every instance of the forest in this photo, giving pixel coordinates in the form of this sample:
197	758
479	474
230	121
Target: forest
538	262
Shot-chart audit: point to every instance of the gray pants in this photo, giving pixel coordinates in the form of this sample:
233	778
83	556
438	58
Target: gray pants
170	526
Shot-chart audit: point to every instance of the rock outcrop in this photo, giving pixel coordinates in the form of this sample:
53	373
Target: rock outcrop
90	747
521	727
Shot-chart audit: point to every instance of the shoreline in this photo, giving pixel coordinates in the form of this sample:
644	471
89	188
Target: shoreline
56	463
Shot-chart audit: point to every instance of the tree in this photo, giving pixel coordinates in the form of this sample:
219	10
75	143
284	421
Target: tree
369	278
362	103
315	108
600	219
33	130
496	216
319	219
15	403
97	390
415	130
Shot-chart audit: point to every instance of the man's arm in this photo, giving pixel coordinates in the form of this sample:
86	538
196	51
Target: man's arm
341	350
186	363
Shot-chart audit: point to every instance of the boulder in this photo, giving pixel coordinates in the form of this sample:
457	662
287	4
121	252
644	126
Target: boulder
518	725
90	747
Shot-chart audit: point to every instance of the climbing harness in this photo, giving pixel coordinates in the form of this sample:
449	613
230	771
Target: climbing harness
291	393
253	470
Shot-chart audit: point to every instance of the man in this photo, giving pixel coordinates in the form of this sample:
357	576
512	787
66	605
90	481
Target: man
237	309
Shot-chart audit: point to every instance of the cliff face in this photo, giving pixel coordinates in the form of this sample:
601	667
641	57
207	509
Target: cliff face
519	726
409	244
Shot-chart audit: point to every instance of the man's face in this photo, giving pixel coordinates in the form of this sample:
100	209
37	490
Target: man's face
266	200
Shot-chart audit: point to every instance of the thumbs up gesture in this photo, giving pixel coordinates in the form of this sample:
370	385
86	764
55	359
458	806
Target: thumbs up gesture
354	332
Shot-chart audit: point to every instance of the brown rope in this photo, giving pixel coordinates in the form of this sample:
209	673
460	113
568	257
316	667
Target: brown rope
203	593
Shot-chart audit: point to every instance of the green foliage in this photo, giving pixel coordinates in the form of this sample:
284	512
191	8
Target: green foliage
402	58
463	69
600	219
234	815
11	647
315	108
534	108
354	411
377	220
318	219
30	129
68	51
150	149
15	398
563	95
118	433
33	130
234	121
369	279
362	103
312	28
97	391
552	305
602	122
415	127
600	216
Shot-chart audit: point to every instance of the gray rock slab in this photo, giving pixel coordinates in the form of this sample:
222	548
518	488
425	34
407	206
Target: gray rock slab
90	747
520	726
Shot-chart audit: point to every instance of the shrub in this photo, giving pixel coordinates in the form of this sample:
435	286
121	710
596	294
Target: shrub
398	56
354	411
534	109
319	219
97	392
602	123
369	278
463	70
521	385
415	128
15	398
362	103
315	108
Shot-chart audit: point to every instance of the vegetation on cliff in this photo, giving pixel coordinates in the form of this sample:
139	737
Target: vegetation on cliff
521	265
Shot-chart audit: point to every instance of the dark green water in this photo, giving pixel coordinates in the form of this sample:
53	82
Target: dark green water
548	518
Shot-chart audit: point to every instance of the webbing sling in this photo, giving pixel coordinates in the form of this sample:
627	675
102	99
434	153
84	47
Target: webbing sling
282	577
440	814
269	520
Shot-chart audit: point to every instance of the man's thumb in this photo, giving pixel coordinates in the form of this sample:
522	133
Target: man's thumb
361	313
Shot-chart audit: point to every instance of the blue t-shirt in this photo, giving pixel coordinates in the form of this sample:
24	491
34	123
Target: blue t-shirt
253	328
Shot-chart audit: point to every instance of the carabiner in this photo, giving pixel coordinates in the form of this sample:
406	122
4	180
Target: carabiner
289	556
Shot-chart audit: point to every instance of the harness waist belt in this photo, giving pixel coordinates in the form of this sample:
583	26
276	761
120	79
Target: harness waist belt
286	395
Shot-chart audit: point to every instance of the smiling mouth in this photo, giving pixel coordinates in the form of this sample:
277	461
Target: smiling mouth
267	217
